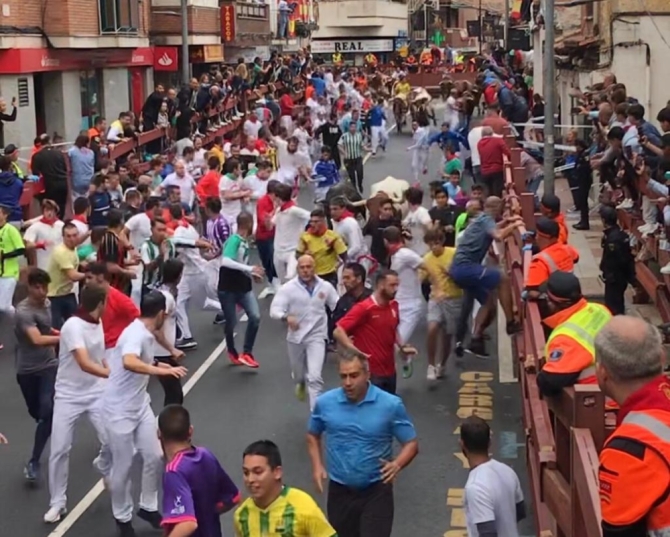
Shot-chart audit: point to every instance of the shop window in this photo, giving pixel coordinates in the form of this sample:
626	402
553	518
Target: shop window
90	88
119	16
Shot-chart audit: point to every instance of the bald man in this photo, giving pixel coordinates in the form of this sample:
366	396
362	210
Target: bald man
301	303
478	281
634	470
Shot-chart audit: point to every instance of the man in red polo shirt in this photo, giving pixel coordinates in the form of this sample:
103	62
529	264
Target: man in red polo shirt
370	329
265	237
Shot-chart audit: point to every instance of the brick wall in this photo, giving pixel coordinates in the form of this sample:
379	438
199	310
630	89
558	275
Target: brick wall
61	18
201	21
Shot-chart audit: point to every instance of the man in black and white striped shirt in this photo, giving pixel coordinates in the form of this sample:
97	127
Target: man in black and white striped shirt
351	147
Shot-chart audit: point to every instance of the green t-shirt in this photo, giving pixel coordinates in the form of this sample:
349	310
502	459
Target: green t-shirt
10	241
461	222
453	165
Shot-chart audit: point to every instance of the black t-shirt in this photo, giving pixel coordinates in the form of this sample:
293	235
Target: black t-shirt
446	216
331	134
375	229
346	302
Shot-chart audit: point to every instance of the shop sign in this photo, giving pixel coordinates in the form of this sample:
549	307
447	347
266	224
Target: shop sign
39	60
228	22
352	46
213	53
166	59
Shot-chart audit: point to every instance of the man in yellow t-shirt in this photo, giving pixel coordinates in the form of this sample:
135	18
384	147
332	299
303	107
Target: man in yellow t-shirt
324	245
11	248
443	314
62	270
274	509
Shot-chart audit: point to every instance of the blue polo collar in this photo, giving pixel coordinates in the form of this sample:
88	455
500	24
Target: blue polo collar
370	396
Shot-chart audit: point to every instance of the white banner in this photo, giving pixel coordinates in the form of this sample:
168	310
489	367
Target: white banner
352	46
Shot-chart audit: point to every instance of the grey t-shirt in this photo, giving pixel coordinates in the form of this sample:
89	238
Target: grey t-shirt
475	241
33	358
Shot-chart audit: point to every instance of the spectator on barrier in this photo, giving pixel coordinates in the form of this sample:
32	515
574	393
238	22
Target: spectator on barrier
634	474
12	153
574	324
117	130
553	256
492	150
550	206
618	263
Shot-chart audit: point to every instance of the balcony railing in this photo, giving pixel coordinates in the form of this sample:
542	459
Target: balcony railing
251	10
119	16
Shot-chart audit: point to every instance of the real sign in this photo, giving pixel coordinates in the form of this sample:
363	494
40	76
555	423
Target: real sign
228	22
352	46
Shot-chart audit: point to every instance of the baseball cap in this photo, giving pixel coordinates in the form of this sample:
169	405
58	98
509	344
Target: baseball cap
563	287
547	227
10	148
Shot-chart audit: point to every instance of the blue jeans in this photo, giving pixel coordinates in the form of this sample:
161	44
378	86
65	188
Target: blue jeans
477	282
247	301
62	308
266	251
282	25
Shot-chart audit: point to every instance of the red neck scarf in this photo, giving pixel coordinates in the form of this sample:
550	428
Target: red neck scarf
49	221
345	214
184	223
80	218
393	248
86	316
287	205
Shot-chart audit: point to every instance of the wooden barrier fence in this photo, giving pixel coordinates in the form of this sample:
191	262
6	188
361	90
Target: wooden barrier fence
564	433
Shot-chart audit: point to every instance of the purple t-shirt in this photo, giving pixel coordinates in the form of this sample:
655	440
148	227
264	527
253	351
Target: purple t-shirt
196	488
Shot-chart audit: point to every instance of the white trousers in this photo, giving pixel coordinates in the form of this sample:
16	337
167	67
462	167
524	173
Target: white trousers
285	265
411	312
124	436
191	286
7	287
419	162
136	285
66	413
379	136
306	361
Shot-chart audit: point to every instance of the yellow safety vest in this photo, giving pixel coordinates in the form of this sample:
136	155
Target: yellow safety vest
583	327
337	58
17	170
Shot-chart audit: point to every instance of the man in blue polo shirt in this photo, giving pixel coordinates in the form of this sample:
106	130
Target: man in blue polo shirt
360	422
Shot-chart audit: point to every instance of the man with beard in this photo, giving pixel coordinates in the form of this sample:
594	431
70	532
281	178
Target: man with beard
292	163
373	323
353	280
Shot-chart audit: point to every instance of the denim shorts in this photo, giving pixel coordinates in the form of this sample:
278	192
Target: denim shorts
478	280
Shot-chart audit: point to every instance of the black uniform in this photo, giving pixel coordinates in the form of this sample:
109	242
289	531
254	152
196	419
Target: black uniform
617	266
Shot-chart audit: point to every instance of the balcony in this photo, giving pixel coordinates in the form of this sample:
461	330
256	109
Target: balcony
252	25
362	18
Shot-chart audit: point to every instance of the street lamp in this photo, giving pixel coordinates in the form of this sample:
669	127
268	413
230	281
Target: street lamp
185	66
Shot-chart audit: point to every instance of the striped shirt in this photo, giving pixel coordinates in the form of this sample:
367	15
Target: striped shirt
217	232
352	144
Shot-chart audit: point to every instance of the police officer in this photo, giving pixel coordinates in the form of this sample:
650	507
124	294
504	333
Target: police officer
634	471
617	263
574	323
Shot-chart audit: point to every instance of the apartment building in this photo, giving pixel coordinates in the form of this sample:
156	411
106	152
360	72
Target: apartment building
628	38
69	61
355	28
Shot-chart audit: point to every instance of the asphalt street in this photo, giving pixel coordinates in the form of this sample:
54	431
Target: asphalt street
232	406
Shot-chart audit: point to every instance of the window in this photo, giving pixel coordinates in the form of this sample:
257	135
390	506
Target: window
90	88
119	16
251	10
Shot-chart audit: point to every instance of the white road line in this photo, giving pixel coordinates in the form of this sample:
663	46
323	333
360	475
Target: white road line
505	355
99	487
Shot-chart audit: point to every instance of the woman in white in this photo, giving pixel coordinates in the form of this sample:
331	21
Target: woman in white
289	222
79	386
301	303
419	151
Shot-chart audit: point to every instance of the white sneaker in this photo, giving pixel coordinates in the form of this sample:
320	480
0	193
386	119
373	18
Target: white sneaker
627	203
265	292
244	318
432	373
439	371
54	515
666	269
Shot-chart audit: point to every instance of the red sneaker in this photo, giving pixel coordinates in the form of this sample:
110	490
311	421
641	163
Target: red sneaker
234	358
248	360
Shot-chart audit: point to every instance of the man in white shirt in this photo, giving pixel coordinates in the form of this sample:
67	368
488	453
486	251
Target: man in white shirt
129	419
292	163
289	222
301	303
473	139
252	125
417	221
79	386
257	182
45	234
183	180
347	227
233	192
493	500
411	303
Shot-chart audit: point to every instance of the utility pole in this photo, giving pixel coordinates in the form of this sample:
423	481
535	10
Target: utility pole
425	22
481	30
549	90
185	64
506	29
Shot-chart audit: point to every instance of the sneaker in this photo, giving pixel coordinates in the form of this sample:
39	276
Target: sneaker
32	471
234	358
186	344
431	375
54	514
459	351
152	517
219	319
126	529
666	269
300	391
407	367
247	359
244	318
478	348
269	290
439	371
